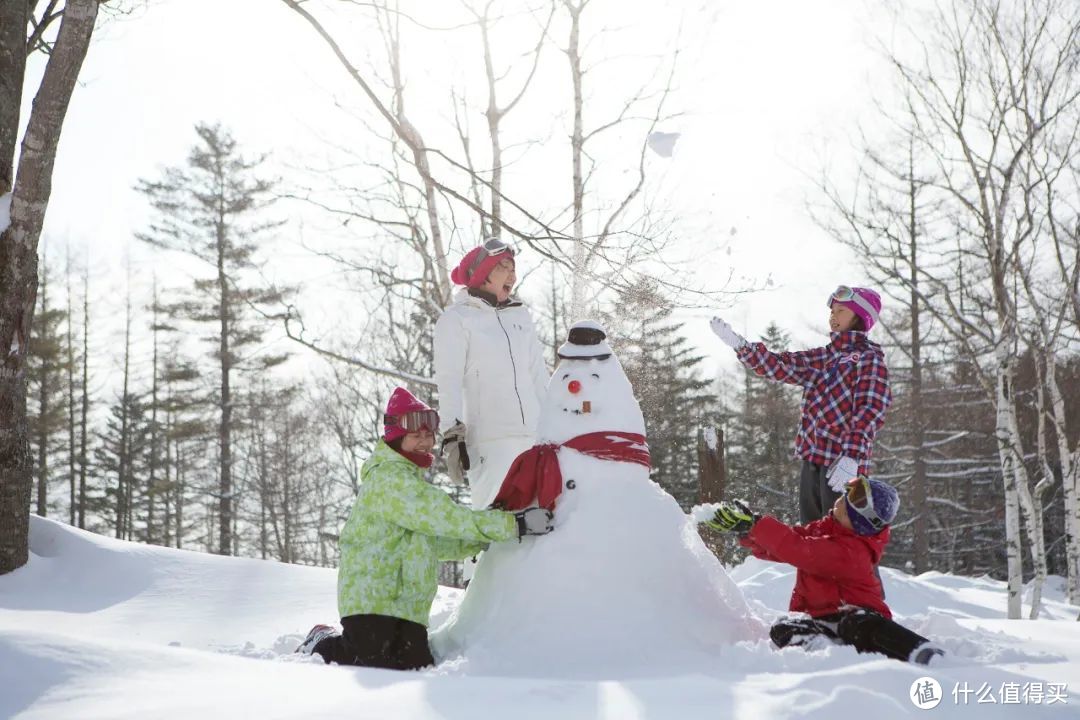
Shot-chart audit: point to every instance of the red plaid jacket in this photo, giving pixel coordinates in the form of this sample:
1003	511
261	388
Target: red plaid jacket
845	394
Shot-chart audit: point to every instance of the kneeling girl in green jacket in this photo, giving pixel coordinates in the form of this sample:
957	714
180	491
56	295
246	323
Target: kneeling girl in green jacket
399	529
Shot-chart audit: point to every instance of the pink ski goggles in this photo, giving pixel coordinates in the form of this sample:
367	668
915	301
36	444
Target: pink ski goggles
846	294
414	420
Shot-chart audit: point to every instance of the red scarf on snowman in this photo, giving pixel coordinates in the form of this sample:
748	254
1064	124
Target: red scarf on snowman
535	473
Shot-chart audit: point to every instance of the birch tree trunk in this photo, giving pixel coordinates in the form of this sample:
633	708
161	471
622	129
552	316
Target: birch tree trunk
577	148
1013	551
1069	461
495	115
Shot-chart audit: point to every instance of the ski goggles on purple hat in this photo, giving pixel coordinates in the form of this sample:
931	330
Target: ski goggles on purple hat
859	499
845	294
414	420
490	248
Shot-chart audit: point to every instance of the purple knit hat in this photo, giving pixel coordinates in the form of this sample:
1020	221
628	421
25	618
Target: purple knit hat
885	502
864	302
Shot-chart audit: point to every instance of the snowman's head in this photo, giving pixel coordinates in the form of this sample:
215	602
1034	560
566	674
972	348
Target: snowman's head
588	392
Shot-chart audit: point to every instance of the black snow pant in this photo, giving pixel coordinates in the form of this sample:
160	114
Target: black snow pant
816	498
866	630
378	641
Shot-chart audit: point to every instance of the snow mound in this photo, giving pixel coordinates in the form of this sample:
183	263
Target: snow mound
706	511
191	635
624	587
85	584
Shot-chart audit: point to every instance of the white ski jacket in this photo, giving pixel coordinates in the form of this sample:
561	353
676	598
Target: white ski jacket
489	366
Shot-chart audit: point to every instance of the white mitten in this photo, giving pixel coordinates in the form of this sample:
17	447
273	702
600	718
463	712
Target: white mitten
723	331
457	456
842	472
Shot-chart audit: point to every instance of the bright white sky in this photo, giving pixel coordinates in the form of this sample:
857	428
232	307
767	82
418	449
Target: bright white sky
769	89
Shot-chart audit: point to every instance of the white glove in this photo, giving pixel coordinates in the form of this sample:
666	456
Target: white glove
457	456
725	333
842	472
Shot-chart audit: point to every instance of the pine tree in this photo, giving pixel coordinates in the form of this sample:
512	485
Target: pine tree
47	391
120	455
663	370
71	363
185	429
84	404
212	210
284	467
120	464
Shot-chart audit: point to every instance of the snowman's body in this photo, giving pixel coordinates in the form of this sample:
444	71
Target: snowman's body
622	587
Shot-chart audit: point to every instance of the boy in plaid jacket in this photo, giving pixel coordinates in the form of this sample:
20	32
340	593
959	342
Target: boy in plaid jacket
845	396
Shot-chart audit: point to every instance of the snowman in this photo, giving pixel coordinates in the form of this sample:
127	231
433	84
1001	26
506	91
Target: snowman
624	586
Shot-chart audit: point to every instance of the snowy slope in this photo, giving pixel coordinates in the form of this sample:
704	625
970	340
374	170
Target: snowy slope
98	628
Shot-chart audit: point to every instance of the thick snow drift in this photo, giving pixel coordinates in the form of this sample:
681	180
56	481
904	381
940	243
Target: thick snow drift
98	628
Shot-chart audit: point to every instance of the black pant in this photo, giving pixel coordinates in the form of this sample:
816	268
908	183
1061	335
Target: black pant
378	641
866	630
815	495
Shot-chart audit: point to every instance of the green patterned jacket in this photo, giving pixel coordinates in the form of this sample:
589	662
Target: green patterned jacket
399	529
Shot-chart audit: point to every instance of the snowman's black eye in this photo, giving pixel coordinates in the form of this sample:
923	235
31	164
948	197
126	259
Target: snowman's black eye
596	376
568	375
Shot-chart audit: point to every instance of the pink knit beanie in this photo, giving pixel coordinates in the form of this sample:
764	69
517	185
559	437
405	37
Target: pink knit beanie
461	275
870	300
401	401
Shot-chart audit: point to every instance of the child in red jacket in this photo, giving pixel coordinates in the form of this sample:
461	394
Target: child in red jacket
835	558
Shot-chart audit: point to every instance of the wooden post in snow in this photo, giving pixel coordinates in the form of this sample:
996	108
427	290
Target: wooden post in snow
712	477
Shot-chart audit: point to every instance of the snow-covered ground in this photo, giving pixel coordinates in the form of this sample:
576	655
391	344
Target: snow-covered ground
97	628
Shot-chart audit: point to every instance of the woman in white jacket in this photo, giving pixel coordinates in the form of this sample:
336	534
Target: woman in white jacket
489	366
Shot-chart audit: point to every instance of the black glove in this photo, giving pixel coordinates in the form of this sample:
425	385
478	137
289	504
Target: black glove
733	517
457	456
534	521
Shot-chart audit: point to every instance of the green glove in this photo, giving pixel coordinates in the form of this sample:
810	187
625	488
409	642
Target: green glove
733	517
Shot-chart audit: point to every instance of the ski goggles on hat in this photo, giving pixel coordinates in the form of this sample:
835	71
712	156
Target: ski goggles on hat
845	294
413	420
490	248
858	499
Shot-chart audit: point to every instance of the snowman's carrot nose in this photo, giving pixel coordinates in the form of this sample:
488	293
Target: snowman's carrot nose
574	386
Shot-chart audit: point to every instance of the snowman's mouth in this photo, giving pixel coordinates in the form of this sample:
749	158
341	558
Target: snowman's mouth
585	409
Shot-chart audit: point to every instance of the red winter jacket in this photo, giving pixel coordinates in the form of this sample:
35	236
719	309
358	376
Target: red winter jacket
835	566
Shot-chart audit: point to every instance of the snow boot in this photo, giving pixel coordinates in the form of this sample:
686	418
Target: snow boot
315	636
926	654
810	633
